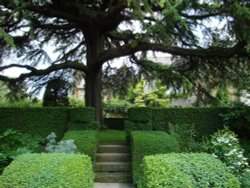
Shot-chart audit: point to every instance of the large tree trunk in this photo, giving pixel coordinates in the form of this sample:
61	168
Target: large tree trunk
93	82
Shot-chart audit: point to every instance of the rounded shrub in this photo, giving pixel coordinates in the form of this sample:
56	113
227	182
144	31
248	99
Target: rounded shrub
185	170
49	171
149	143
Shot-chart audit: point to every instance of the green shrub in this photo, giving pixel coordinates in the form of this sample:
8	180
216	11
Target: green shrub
116	106
48	171
138	126
186	136
43	121
148	143
40	121
224	144
140	114
205	120
94	125
186	170
238	119
245	179
86	141
82	115
14	143
64	146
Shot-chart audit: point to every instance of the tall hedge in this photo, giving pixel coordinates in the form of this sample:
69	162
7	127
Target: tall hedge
43	121
49	171
205	120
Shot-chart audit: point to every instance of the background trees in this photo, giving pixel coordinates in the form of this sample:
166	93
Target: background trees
85	34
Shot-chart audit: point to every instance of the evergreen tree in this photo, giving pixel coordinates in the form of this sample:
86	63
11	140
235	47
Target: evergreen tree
88	33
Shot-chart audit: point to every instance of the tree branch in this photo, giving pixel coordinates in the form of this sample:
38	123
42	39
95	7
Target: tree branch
145	46
41	72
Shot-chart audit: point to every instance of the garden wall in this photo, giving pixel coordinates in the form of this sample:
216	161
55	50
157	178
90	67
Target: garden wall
205	120
43	121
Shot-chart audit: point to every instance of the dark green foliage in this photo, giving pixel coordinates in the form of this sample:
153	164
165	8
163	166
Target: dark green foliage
186	170
238	119
48	171
140	114
139	119
186	136
14	143
41	121
56	93
149	143
115	123
245	179
205	120
82	115
94	125
86	141
138	126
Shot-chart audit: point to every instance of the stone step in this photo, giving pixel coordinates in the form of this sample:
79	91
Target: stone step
113	157
112	166
113	177
106	148
113	185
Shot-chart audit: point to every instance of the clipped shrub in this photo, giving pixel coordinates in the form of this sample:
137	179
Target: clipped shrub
149	143
93	125
48	171
82	115
86	141
140	114
138	126
39	121
185	170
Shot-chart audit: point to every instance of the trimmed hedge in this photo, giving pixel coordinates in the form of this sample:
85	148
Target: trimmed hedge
205	120
140	114
49	171
94	125
82	115
138	126
148	143
83	119
86	141
43	121
186	170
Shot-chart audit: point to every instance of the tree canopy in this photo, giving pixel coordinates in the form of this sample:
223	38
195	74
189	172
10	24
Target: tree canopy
88	33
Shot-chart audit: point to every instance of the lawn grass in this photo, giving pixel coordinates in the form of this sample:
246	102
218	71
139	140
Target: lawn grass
108	135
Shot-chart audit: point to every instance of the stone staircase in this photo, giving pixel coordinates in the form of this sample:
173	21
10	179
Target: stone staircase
113	165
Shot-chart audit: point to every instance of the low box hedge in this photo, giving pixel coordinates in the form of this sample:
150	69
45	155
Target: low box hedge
49	171
86	141
145	143
185	170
